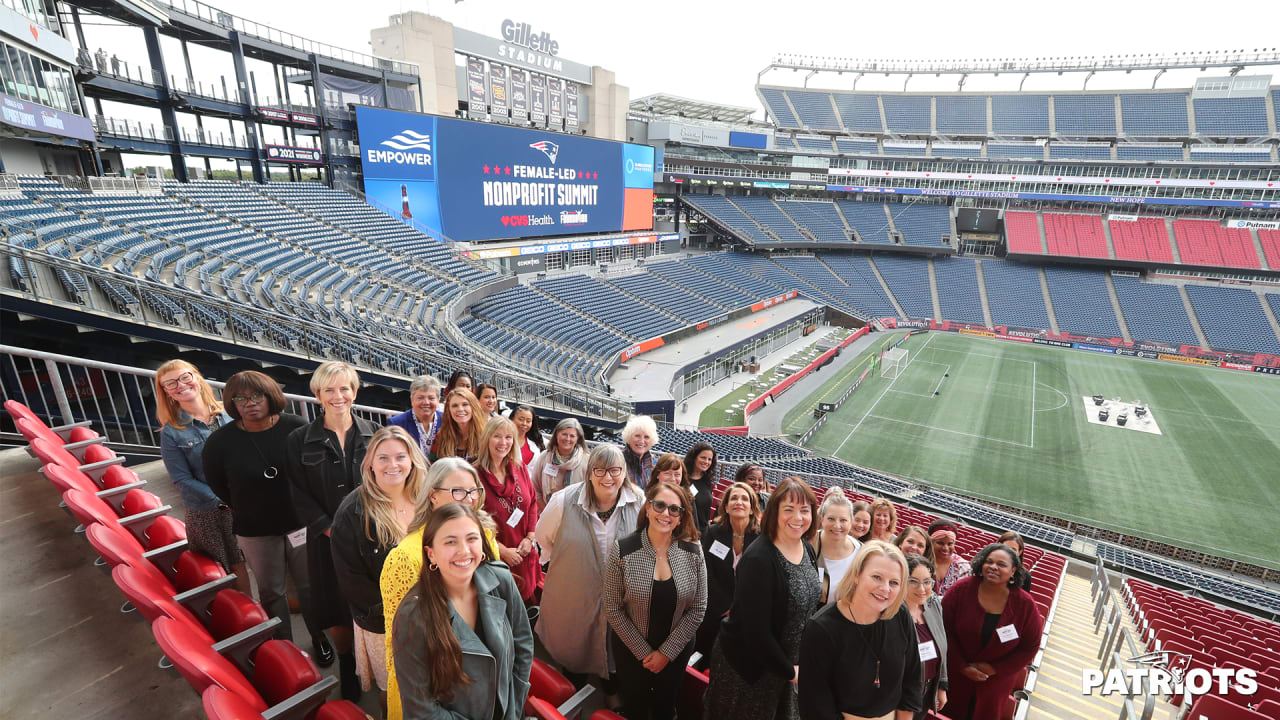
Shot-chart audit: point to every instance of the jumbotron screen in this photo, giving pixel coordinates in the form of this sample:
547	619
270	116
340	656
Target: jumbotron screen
473	181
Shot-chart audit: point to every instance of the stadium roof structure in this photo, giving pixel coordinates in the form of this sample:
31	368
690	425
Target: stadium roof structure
1235	59
676	106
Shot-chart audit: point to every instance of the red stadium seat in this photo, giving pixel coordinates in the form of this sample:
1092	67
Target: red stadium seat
98	453
691	692
139	501
1268	708
35	429
220	704
89	509
18	411
49	453
1218	708
281	670
547	683
541	709
203	667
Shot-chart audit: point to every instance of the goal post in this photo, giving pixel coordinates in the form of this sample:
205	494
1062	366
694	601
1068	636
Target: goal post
893	363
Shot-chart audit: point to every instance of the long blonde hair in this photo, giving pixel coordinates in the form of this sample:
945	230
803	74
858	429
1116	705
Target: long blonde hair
167	409
449	438
484	458
379	515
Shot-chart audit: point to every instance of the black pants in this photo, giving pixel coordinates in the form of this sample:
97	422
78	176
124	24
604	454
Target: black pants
646	695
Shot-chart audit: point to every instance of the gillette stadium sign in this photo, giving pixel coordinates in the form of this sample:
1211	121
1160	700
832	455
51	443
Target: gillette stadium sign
472	181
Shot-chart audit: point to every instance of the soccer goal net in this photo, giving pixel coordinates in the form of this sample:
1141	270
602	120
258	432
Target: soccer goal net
893	363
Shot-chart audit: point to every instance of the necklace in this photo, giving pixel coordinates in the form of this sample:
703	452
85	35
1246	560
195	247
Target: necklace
862	633
270	471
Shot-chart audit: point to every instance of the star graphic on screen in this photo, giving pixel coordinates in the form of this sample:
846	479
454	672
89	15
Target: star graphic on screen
486	169
595	176
579	174
508	170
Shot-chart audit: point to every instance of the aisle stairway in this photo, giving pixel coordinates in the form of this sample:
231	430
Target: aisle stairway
1071	648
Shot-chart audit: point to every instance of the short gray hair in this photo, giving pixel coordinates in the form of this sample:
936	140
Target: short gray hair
424	382
640	424
571	424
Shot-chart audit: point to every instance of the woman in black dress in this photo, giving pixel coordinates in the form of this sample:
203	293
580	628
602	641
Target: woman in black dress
735	527
701	465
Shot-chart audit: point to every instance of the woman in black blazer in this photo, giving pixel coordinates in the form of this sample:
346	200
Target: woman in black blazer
736	525
755	658
655	594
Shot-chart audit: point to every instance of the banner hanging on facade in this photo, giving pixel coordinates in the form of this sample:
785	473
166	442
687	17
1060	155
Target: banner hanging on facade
498	88
477	97
570	105
538	99
519	95
555	100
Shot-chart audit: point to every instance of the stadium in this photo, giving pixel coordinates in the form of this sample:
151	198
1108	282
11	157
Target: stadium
1053	311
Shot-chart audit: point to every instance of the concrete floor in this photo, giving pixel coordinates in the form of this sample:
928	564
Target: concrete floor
66	650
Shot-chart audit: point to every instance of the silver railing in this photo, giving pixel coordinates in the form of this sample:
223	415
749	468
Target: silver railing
1117	651
119	400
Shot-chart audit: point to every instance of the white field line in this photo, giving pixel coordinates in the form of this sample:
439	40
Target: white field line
883	393
954	432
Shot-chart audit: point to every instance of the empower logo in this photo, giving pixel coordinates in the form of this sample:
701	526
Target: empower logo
408	140
548	148
409	148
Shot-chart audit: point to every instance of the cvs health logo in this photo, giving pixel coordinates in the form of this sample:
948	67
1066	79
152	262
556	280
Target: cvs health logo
526	220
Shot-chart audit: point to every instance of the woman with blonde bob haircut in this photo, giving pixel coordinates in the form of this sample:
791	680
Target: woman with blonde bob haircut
371	521
884	520
859	657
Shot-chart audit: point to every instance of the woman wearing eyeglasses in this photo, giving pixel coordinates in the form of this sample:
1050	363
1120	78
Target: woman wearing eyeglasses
575	532
449	479
926	613
244	463
188	414
655	595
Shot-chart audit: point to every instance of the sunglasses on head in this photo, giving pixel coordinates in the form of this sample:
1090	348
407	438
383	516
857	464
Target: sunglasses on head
669	508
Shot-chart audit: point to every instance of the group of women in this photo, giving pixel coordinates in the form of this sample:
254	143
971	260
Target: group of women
420	551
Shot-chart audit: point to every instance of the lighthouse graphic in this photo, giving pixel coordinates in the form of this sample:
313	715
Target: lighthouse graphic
404	203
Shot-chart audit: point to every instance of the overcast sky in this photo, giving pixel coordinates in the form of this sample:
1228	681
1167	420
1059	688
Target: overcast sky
713	50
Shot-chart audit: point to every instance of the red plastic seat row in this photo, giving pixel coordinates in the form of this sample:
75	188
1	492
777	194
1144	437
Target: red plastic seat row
74	432
78	439
222	704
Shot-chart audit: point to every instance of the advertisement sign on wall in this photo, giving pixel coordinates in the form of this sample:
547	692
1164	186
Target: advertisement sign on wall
475	181
39	118
291	154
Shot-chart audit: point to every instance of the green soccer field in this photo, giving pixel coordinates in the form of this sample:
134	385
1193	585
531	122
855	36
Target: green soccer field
1009	422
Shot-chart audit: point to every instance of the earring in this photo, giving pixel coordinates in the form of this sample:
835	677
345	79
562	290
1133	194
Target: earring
434	567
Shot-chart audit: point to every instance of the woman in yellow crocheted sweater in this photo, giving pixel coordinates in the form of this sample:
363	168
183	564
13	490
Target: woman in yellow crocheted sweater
450	479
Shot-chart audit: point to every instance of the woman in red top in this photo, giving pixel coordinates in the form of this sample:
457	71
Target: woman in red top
993	631
510	498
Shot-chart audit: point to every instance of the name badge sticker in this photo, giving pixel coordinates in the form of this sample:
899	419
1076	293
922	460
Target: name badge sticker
928	651
297	538
719	549
1008	633
516	515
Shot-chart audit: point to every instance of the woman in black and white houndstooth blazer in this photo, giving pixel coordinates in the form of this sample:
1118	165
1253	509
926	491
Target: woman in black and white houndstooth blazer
655	595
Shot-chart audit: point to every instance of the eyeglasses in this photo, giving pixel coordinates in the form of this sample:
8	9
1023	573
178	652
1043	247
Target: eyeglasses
921	583
185	378
662	507
613	472
240	400
460	494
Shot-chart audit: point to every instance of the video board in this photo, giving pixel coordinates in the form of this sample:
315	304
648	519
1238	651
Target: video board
473	181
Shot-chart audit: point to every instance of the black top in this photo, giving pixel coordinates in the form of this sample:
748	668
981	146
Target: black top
321	473
662	609
701	501
234	463
989	623
840	660
751	634
720	573
358	560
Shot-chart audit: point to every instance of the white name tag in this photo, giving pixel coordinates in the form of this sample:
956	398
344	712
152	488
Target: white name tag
719	549
297	538
515	517
549	469
822	573
1008	633
928	651
693	490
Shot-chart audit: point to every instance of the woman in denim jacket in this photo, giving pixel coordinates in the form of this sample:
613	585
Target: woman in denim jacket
188	413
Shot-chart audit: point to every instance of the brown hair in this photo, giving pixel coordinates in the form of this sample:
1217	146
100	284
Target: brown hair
687	530
884	504
449	439
928	543
789	489
722	509
443	653
863	506
167	409
253	382
484	458
1011	535
670	461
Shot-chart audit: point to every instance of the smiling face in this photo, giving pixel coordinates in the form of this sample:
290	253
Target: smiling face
640	443
425	403
943	546
489	400
606	482
463	382
914	543
919	585
664	522
860	524
794	518
566	441
459	409
998	568
878	584
881	521
500	443
739	504
181	384
457	549
337	396
458	486
755	479
836	522
703	461
391	464
523	420
672	475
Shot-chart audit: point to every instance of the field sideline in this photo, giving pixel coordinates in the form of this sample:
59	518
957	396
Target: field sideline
1008	422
